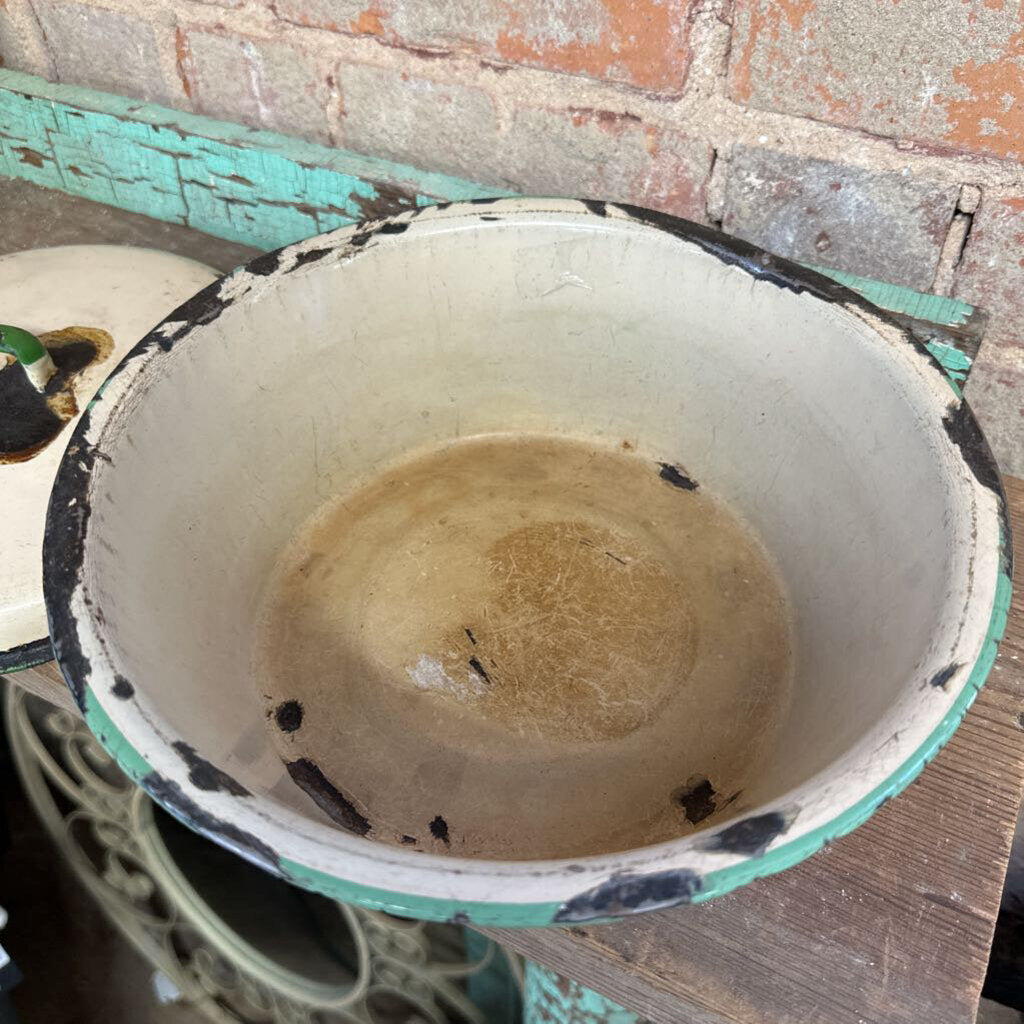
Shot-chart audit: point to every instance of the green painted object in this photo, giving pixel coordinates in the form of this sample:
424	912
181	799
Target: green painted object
549	997
266	189
255	187
28	350
936	309
25	347
715	883
493	990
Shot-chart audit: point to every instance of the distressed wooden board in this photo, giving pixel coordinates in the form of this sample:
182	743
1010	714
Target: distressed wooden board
891	923
46	681
259	188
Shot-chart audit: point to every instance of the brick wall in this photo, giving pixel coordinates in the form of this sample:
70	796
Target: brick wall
884	137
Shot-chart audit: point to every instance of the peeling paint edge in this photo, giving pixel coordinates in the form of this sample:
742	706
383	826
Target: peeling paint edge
936	309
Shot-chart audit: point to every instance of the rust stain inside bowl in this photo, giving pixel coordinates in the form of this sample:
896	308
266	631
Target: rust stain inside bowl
539	642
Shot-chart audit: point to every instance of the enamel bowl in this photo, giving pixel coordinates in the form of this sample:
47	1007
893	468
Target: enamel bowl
825	428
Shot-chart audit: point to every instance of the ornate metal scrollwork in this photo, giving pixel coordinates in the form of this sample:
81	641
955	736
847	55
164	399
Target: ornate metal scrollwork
237	944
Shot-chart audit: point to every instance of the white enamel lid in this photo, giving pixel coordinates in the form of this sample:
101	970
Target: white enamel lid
124	291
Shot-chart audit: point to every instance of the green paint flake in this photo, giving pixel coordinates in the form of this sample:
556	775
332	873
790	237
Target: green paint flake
937	309
957	364
549	998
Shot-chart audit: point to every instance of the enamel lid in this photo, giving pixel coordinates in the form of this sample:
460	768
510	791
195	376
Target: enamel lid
121	290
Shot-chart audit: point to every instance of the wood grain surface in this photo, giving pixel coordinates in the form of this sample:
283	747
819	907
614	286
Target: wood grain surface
46	681
891	923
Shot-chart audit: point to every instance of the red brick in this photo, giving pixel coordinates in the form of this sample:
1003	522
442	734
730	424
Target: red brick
948	75
598	154
110	50
565	151
995	390
881	224
991	275
441	126
265	83
22	47
642	43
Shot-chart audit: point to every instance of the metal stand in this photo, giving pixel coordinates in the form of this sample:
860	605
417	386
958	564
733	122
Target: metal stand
234	942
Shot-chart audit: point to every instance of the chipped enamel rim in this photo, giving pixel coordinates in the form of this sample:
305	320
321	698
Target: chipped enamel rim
348	868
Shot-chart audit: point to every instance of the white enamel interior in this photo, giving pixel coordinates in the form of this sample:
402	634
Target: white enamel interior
121	289
823	429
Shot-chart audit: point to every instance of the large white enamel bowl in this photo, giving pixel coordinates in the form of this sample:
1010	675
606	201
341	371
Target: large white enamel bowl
835	435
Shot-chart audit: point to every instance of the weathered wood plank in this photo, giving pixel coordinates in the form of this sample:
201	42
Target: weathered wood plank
259	188
891	923
46	681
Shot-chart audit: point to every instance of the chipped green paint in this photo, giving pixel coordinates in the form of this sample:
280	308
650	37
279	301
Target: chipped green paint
936	309
957	364
549	997
255	187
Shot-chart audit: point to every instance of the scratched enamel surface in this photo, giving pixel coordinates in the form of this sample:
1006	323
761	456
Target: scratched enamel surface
498	609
